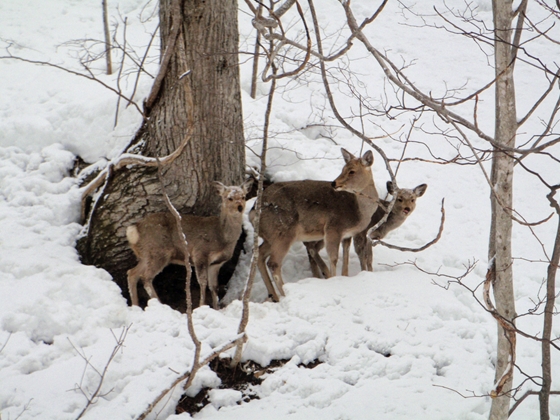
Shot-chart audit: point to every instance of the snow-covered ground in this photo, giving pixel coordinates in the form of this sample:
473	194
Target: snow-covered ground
60	320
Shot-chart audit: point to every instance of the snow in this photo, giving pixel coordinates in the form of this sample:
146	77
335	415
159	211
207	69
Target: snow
394	344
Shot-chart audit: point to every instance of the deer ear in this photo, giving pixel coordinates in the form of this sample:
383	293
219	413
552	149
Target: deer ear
390	187
246	186
367	158
420	190
347	155
220	188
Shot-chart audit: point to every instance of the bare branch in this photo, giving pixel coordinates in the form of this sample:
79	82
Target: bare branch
177	16
91	399
89	76
215	353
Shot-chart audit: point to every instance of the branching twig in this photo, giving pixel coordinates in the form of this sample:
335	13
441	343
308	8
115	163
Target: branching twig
91	399
177	16
187	374
87	76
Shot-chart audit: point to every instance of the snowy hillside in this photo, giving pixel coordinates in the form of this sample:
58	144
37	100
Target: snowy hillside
392	344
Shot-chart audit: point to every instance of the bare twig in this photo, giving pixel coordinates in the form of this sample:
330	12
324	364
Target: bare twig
87	76
91	399
256	223
132	159
120	74
5	343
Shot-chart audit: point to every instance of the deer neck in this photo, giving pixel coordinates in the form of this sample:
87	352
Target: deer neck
368	200
231	225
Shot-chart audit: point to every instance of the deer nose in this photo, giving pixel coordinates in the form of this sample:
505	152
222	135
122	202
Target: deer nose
240	208
406	210
333	184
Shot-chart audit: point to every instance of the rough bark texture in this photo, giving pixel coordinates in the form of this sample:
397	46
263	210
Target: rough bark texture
502	181
207	46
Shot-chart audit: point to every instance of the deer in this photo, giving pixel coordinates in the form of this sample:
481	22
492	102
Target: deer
211	240
310	210
405	203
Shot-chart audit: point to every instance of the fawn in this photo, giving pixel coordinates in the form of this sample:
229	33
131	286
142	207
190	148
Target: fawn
314	210
404	205
157	243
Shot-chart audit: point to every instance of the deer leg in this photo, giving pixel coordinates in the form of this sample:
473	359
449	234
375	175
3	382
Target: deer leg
369	257
361	245
278	251
213	271
144	271
201	270
133	277
333	243
310	247
345	255
264	253
150	288
318	266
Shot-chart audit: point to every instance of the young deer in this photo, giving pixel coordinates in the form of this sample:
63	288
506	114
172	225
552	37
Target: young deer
404	205
211	241
314	210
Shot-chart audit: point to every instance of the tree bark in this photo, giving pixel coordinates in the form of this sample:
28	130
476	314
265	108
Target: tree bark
207	46
502	196
544	394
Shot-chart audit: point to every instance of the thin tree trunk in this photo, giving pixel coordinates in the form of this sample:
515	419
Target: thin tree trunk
207	46
544	394
502	198
107	37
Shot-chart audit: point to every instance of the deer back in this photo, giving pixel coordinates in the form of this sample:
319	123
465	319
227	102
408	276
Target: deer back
304	210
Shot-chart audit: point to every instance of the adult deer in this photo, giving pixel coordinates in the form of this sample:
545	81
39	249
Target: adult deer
211	241
314	210
405	203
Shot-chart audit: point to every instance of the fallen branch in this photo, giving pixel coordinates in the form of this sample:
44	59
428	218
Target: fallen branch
188	373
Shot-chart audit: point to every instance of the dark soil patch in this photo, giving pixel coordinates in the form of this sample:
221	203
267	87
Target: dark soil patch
240	379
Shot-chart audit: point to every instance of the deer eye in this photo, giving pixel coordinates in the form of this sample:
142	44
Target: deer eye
351	172
412	200
400	200
230	199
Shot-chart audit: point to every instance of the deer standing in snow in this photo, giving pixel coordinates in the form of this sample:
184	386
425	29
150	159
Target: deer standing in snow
211	241
312	211
405	203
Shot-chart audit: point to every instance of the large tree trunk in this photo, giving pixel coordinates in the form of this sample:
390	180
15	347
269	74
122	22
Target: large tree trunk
502	198
207	46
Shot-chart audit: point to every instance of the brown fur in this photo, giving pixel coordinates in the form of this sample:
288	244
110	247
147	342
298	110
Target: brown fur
211	241
314	210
